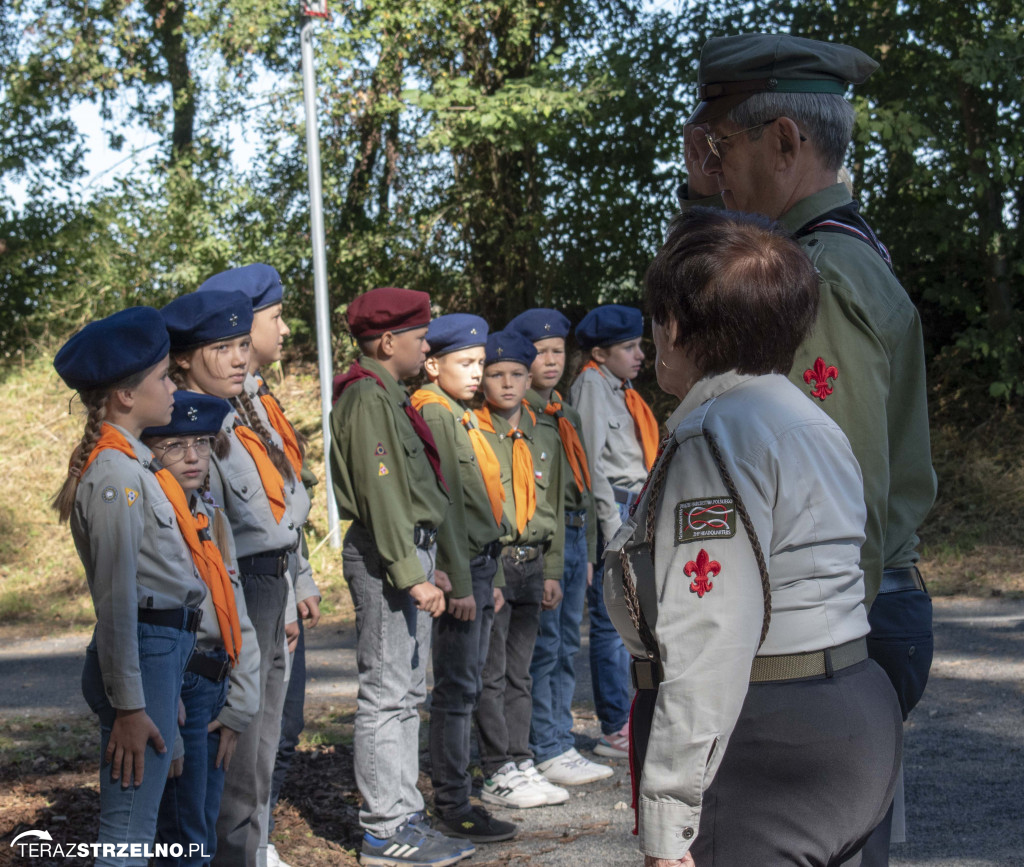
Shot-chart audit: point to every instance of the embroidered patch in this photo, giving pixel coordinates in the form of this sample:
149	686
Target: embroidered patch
131	495
702	570
380	451
383	470
708	518
820	374
109	495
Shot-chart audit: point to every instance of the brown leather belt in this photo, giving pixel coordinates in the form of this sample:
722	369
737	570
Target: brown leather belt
815	663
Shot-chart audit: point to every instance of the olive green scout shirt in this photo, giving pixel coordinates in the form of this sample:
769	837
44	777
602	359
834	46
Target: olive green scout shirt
575	499
547	526
469	526
380	473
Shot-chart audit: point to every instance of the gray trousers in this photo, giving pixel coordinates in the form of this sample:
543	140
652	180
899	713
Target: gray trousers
241	830
392	649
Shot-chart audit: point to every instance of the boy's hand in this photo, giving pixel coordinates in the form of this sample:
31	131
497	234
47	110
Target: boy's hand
499	600
462	609
309	609
228	742
442	580
291	636
126	749
552	594
590	574
428	598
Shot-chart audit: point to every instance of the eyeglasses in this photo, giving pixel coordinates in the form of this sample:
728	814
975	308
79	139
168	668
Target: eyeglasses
173	452
713	142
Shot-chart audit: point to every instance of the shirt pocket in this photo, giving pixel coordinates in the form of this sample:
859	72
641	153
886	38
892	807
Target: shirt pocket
412	445
244	485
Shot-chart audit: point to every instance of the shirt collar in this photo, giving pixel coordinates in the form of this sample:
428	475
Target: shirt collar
143	453
392	386
814	205
703	391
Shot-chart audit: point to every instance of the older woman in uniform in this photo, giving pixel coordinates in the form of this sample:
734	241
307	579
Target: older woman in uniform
762	734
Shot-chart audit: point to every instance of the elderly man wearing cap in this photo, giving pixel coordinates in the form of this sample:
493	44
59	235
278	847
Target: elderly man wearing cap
387	479
769	135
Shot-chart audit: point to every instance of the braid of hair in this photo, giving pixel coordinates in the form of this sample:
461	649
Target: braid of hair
96	404
243	403
220	536
221	447
300	438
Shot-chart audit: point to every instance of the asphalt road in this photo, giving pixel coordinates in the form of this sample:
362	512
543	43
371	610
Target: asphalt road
964	760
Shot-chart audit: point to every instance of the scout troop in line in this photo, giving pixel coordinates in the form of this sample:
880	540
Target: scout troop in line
468	527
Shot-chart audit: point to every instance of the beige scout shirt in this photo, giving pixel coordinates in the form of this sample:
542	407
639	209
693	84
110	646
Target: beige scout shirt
134	556
609	432
797	476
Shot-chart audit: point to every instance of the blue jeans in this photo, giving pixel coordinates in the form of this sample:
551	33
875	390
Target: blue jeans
553	668
191	802
609	659
129	815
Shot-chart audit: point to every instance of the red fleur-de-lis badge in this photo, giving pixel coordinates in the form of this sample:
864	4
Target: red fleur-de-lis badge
820	374
702	570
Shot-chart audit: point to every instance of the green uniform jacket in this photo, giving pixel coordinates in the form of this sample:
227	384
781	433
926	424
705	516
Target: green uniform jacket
469	525
871	381
575	499
547	527
380	473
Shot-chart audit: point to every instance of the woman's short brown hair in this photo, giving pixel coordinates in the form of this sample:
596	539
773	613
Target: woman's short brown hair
741	291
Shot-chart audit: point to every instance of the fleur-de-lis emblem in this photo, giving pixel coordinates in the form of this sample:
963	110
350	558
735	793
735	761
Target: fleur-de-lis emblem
501	351
547	326
820	374
702	571
193	414
472	331
233	319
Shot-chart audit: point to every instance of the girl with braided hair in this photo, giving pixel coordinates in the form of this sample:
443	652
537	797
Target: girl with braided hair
145	590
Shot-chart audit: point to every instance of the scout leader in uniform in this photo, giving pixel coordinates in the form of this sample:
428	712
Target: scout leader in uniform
388	481
251	478
770	133
220	691
143	583
622	439
531	471
553	668
469	551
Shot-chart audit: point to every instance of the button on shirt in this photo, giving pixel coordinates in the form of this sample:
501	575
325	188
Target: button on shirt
701	594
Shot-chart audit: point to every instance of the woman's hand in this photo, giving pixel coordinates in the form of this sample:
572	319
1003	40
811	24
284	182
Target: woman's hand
126	749
685	861
228	742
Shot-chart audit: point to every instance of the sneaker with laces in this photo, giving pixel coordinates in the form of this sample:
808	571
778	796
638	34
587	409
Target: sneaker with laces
553	794
509	787
477	825
422	822
614	746
411	846
572	769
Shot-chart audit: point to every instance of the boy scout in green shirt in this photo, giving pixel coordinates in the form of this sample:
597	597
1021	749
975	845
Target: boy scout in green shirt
553	669
469	550
387	480
531	473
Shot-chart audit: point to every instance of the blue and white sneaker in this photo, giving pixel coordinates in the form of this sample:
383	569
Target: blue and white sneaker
420	821
412	845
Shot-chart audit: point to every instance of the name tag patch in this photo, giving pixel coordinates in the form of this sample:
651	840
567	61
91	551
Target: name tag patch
708	518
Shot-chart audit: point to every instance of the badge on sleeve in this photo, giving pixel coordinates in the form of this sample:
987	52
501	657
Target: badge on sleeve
820	375
383	470
131	495
380	451
702	570
706	518
109	494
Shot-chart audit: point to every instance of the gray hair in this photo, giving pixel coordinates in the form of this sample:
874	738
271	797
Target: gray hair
825	118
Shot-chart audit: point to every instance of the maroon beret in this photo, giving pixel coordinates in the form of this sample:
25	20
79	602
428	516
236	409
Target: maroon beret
388	309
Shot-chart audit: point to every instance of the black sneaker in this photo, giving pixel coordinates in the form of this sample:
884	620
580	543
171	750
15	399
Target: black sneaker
477	825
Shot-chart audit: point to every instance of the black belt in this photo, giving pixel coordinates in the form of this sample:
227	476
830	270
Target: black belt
187	619
210	667
492	549
424	537
521	553
624	497
265	563
576	519
898	580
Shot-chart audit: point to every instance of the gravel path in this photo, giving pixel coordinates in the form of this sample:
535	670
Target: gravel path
964	752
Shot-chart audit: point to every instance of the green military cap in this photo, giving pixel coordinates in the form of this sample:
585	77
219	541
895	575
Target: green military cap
733	68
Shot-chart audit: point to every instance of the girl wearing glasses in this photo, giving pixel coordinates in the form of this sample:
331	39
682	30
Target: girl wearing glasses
138	565
220	691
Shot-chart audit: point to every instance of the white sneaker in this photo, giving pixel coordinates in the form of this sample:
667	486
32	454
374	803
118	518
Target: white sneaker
273	859
553	794
510	787
572	769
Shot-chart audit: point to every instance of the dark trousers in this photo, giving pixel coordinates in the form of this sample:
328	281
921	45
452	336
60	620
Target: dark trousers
806	774
293	721
459	650
505	706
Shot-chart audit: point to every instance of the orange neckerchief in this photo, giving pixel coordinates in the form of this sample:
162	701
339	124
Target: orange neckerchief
273	484
486	459
524	483
570	443
646	426
189	526
289	441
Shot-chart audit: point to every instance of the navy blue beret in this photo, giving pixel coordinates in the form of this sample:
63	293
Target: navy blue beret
260	282
608	325
109	350
203	317
540	323
456	331
509	346
194	414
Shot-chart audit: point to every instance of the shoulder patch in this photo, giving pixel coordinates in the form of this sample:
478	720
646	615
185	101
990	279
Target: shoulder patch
820	375
702	570
380	451
109	494
706	518
383	470
131	496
